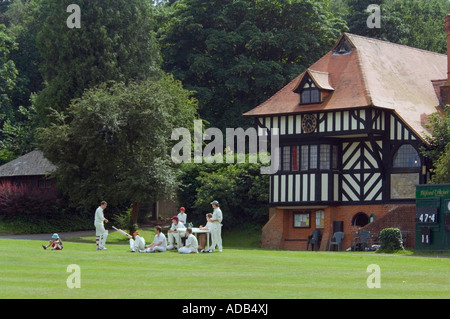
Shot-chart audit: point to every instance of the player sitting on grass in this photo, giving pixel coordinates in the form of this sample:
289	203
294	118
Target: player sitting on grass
159	243
138	243
55	242
191	244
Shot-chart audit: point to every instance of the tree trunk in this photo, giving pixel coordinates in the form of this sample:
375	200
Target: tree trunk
135	213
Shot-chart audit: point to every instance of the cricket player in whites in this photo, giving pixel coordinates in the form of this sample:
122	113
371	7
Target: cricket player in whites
138	243
216	227
100	232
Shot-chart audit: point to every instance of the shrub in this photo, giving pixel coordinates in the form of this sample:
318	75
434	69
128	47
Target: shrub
18	201
240	188
125	222
390	240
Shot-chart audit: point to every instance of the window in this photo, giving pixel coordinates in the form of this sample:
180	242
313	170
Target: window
404	185
360	219
324	157
286	158
302	219
310	93
335	157
343	48
320	219
308	157
304	158
305	96
44	183
315	96
406	156
406	172
295	158
313	157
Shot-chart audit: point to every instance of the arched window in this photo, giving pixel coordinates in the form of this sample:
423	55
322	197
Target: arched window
360	219
406	156
405	172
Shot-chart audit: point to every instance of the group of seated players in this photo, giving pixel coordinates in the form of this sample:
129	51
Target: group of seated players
176	232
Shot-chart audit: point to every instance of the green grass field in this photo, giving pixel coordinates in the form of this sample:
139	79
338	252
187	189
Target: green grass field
28	271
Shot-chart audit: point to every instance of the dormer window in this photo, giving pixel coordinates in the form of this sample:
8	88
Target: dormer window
313	87
344	47
309	93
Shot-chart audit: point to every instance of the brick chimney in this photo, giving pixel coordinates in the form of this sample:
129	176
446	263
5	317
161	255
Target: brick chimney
445	89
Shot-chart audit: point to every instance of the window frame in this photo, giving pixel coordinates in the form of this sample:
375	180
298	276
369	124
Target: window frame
308	91
307	222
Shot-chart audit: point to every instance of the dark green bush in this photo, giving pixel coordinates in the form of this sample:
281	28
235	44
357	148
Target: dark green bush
390	240
240	188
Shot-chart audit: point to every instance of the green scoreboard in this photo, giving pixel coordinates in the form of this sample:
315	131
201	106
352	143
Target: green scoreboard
432	217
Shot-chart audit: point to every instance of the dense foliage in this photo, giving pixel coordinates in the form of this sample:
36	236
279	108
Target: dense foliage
243	193
111	140
390	240
438	148
115	142
22	201
115	42
236	54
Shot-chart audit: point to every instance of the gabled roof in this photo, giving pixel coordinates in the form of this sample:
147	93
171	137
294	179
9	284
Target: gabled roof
321	79
376	73
33	163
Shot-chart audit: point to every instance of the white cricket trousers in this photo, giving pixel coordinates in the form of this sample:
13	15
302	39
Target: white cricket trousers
216	236
171	237
101	235
156	249
187	250
137	244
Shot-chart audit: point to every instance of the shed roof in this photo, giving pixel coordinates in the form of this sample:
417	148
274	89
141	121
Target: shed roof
33	163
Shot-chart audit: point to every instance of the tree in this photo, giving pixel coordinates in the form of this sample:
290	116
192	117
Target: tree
8	73
416	23
437	150
8	76
236	54
115	42
114	143
442	171
241	189
23	25
18	120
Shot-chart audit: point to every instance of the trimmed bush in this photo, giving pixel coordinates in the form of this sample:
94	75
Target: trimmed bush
390	240
24	201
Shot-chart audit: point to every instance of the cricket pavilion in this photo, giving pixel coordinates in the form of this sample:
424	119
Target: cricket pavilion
350	131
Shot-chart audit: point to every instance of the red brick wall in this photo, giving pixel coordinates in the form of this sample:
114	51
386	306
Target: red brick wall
279	232
401	217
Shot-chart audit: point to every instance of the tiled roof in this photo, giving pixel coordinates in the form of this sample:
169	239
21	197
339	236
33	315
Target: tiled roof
376	73
33	163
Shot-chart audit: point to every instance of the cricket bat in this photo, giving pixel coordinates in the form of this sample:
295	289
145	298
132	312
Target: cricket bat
122	232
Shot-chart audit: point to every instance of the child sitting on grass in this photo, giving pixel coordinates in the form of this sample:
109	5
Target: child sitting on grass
55	242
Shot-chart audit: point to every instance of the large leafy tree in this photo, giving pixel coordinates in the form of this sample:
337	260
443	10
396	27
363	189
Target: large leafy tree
438	148
115	42
8	76
416	23
236	54
18	123
115	142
